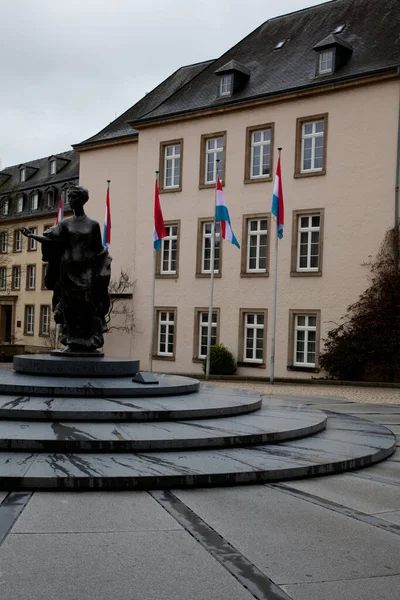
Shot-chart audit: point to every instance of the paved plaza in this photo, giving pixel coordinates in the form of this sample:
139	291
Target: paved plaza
327	538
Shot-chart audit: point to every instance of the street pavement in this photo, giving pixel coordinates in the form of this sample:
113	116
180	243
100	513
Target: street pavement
327	538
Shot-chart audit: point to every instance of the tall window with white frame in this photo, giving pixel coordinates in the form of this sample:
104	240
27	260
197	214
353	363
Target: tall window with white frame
29	320
206	248
253	337
53	167
45	320
226	85
20	204
203	333
214	159
305	340
169	248
16	277
166	333
260	154
308	243
312	146
256	246
32	244
35	201
172	166
50	198
325	64
3	278
4	242
17	240
6	207
31	277
22	175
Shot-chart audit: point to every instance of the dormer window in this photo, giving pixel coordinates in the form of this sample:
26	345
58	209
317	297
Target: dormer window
20	204
22	175
225	85
6	206
53	167
325	62
35	201
50	198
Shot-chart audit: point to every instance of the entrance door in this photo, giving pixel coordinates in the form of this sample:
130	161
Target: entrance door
6	324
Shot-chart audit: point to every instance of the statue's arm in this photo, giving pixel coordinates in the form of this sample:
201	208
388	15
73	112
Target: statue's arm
39	238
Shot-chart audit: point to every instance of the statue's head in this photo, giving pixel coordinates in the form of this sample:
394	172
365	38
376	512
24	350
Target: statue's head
77	195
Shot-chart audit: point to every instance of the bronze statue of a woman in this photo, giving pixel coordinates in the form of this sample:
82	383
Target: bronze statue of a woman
78	272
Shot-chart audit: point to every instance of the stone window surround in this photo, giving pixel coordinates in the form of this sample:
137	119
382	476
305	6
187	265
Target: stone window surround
202	170
290	360
293	258
299	141
247	167
241	356
160	275
243	259
197	312
157	311
199	249
162	189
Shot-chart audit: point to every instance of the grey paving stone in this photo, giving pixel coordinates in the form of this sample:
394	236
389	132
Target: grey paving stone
392	517
93	512
292	540
364	495
2	496
389	469
117	566
378	588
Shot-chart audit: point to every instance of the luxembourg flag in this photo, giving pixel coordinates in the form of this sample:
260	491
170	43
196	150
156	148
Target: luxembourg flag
159	228
277	200
60	211
107	220
222	215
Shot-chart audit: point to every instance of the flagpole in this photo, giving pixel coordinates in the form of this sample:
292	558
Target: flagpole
275	294
210	308
153	297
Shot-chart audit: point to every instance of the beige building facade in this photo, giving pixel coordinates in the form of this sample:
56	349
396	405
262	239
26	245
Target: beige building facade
338	132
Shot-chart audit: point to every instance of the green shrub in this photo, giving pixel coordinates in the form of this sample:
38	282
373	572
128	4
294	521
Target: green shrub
222	361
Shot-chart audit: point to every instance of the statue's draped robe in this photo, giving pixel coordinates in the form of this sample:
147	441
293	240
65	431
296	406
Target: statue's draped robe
79	274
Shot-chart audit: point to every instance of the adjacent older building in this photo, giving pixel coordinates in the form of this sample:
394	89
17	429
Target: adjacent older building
29	197
322	84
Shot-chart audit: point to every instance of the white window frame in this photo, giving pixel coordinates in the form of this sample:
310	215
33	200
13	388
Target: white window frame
22	175
35	201
32	244
45	319
214	151
20	204
257	234
169	245
166	327
175	163
314	135
3	278
203	330
31	279
265	149
307	329
6	207
4	242
16	277
30	320
309	230
226	85
256	327
17	240
53	167
326	57
206	240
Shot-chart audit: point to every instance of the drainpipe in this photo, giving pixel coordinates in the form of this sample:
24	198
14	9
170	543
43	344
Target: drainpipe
396	196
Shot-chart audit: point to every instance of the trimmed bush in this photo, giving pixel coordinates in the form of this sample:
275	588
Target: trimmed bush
222	361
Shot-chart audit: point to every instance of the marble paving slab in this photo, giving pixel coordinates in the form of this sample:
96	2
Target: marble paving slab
274	422
324	453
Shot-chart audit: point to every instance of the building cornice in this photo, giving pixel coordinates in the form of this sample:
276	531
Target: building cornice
107	143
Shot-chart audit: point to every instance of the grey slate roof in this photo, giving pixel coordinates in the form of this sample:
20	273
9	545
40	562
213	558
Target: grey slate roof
41	180
120	128
372	29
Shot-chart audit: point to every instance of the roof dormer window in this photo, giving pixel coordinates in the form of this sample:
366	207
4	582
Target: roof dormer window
35	201
22	175
225	85
325	62
53	167
6	206
20	204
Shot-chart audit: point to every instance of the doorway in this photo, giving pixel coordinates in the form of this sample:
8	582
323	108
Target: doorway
6	332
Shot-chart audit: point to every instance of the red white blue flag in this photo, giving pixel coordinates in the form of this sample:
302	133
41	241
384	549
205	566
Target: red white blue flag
277	200
159	228
107	221
60	211
222	215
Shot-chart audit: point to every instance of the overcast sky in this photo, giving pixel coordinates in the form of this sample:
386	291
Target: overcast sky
68	68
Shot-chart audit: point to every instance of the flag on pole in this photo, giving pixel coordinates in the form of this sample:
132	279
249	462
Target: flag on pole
60	211
222	215
107	220
277	200
159	228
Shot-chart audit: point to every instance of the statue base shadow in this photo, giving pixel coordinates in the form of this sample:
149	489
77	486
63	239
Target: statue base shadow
95	422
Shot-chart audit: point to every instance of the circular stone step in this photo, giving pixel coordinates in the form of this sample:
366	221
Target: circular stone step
273	423
95	387
210	401
347	443
53	365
